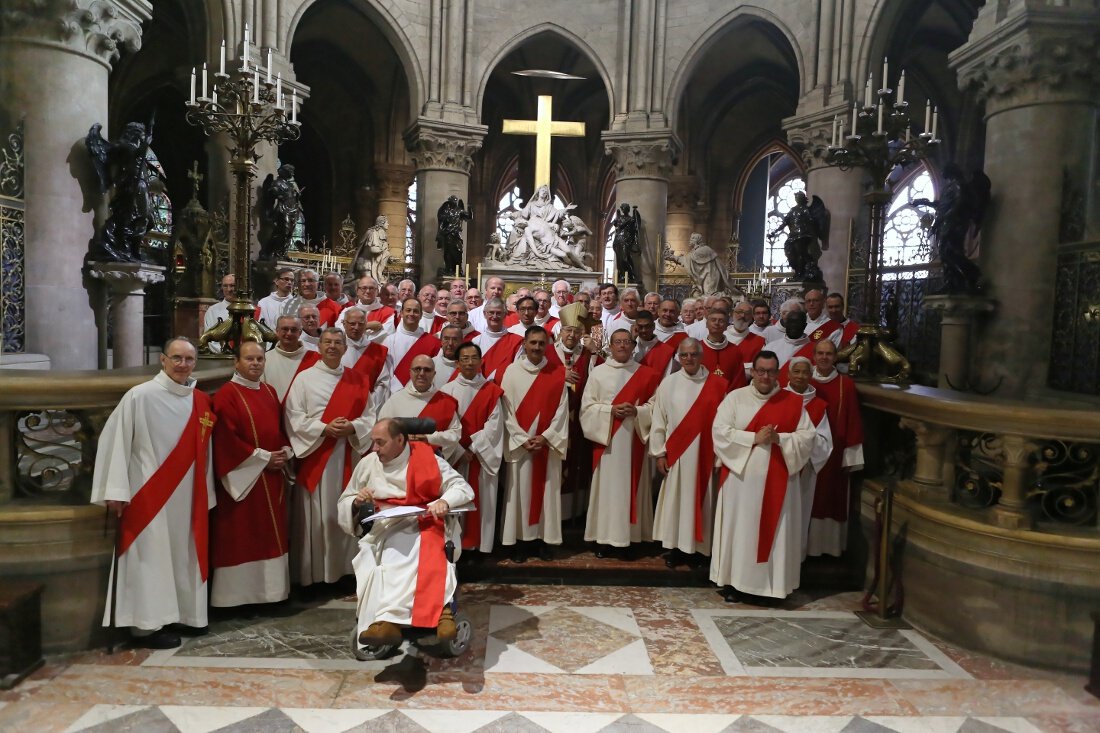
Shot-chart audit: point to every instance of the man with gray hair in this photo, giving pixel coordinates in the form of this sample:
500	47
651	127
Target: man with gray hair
499	347
309	318
290	357
308	282
560	292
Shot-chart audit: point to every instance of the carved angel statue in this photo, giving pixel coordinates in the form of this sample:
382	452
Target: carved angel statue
628	227
373	254
126	168
448	238
807	225
958	221
280	207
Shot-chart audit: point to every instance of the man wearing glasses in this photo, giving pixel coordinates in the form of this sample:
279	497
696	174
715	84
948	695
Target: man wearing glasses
543	317
153	471
561	292
271	306
762	437
526	310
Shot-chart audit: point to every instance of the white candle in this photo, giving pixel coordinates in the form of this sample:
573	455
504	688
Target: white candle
927	116
901	88
885	71
854	128
836	120
269	66
279	90
935	121
221	63
192	85
867	95
256	86
880	108
215	98
245	66
294	106
204	80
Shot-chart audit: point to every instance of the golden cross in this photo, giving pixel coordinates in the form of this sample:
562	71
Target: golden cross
195	177
543	128
206	423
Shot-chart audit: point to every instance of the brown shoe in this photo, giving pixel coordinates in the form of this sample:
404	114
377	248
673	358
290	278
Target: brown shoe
381	633
446	630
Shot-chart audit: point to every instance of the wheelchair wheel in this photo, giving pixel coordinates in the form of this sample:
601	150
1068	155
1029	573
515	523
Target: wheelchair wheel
367	653
458	645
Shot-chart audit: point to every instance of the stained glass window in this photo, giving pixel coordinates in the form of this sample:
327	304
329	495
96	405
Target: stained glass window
905	240
780	201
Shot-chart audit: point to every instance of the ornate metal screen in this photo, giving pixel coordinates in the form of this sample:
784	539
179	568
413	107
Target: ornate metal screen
12	279
1075	343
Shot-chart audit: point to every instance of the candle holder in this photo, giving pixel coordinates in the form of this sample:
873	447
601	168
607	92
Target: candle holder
250	112
880	141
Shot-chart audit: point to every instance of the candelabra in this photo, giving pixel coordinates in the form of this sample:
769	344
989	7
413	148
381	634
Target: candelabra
249	107
880	140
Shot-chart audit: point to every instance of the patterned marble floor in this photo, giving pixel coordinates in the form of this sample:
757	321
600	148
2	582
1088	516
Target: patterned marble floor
561	658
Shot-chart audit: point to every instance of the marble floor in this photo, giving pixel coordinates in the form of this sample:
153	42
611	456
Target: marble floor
561	658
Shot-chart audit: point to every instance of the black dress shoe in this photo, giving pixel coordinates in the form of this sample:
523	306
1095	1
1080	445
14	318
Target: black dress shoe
602	551
162	639
519	555
730	595
184	630
545	552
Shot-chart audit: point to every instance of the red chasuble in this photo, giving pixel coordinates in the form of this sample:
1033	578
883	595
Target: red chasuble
825	330
842	407
784	410
190	451
511	319
423	485
696	424
499	356
534	414
254	528
638	390
659	356
426	345
806	350
348	400
473	420
727	363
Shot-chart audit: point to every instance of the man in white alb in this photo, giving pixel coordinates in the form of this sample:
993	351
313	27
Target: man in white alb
289	358
270	307
220	310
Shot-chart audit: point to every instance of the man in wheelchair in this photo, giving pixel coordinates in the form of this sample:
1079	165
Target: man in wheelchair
402	575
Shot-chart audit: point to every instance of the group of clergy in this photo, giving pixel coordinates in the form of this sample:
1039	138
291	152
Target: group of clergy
746	426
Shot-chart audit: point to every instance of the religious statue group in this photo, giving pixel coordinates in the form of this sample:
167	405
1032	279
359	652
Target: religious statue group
387	426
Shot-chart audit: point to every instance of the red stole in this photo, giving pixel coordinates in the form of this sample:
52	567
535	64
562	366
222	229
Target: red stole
659	357
750	346
442	408
189	451
783	409
824	330
437	324
329	310
849	333
348	400
423	485
637	391
816	410
806	350
534	414
382	314
308	359
550	323
247	419
675	339
696	424
477	414
370	363
497	358
511	319
424	346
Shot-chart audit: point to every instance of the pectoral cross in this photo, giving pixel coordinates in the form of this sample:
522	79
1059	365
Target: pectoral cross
196	178
206	423
543	128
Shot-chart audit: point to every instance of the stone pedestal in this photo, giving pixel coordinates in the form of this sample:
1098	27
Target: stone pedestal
643	163
442	153
958	314
188	315
126	282
60	55
516	277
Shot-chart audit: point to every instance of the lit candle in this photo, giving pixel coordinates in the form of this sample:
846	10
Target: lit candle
268	66
255	86
294	106
192	85
215	98
935	121
204	80
221	63
927	116
880	108
885	71
901	88
245	65
279	90
867	94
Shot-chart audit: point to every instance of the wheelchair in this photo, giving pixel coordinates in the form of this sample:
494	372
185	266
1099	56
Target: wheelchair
419	640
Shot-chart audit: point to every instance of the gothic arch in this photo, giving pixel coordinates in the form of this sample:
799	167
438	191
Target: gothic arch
716	31
519	39
388	26
774	146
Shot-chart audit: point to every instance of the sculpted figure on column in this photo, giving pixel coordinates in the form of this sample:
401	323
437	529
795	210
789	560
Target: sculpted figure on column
280	208
628	228
373	254
450	216
959	213
807	225
125	167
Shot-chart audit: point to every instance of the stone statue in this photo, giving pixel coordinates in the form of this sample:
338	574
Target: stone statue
125	167
959	213
373	253
708	269
280	207
628	227
494	250
448	238
807	225
546	237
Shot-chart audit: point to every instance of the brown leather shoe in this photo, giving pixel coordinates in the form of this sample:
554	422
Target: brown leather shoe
381	633
446	630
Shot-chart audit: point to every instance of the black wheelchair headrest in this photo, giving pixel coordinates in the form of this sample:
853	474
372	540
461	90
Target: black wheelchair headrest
415	425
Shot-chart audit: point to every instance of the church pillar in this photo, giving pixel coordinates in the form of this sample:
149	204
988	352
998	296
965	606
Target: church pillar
56	58
683	194
442	153
643	163
393	203
840	190
1036	67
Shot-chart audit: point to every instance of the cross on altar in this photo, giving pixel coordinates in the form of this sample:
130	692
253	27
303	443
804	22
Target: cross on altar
195	177
543	128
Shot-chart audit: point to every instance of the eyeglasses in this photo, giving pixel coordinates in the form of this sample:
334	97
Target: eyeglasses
181	359
690	355
765	372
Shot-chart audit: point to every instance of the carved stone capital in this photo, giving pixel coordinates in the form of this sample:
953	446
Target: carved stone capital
435	145
810	134
683	194
1015	450
100	29
1038	56
393	180
648	155
124	278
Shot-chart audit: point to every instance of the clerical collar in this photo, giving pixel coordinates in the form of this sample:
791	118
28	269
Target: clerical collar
446	361
477	381
360	343
308	339
399	460
401	329
699	376
798	341
280	298
760	395
494	334
374	305
621	364
668	329
244	381
411	389
329	370
528	365
818	376
815	322
284	352
180	390
717	345
543	321
806	396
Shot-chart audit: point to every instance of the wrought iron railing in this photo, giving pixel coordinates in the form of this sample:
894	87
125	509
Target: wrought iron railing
12	231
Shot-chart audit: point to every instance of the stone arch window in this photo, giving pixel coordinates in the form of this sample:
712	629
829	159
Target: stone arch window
779	202
298	237
607	217
905	239
410	225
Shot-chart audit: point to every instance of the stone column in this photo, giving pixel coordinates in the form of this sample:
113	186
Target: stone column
959	314
1035	66
928	475
442	153
683	193
840	190
57	55
393	181
1011	510
643	163
127	281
